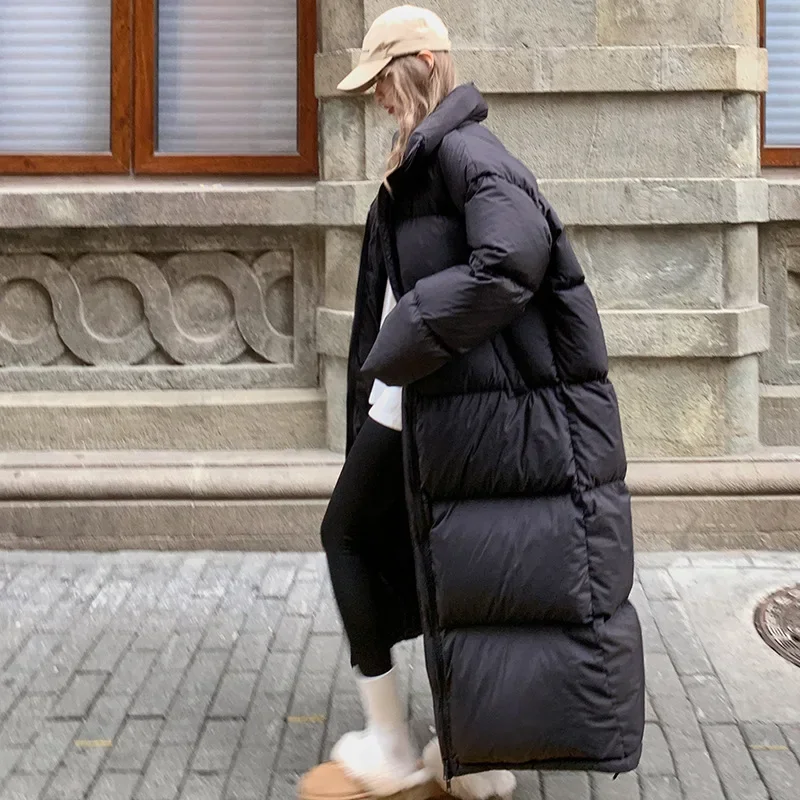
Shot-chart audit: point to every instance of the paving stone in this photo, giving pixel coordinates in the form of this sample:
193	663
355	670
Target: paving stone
322	655
203	787
327	618
566	785
657	584
280	673
250	651
165	773
26	720
157	693
278	581
214	581
292	634
223	630
30	658
709	699
264	616
46	752
649	711
625	787
9	758
698	776
347	715
312	695
180	650
777	763
217	746
107	652
133	746
682	642
679	723
284	787
79	697
234	694
57	670
529	786
251	775
131	673
651	636
656	757
735	767
106	718
662	679
23	787
114	787
74	778
792	735
661	787
265	723
303	601
301	747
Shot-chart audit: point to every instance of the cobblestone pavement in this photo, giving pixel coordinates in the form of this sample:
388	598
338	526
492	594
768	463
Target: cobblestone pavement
225	676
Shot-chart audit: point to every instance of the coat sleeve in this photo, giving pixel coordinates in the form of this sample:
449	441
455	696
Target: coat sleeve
452	311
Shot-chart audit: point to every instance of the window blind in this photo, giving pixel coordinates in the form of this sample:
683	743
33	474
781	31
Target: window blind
55	76
227	77
783	96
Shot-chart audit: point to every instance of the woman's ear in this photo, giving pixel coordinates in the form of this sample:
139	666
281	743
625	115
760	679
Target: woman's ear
428	58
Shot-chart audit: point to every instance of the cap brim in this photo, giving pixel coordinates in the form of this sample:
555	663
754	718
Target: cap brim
363	76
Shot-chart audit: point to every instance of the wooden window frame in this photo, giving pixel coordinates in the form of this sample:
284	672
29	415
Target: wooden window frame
132	126
772	156
146	161
118	159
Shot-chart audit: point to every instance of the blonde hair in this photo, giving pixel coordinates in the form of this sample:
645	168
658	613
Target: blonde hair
417	92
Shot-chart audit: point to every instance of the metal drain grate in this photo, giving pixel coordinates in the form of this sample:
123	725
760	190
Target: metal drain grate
777	620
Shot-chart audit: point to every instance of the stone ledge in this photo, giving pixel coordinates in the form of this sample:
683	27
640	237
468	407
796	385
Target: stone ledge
249	475
602	202
275	501
634	334
710	68
687	334
152	420
784	195
628	202
102	203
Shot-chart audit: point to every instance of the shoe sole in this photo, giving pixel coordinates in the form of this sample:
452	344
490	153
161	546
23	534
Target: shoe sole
330	782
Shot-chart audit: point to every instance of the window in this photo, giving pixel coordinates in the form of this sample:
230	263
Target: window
780	34
158	86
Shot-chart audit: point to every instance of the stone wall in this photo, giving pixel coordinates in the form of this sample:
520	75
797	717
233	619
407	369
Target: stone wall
207	322
641	122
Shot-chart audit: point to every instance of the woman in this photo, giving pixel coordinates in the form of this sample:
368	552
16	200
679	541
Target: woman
482	501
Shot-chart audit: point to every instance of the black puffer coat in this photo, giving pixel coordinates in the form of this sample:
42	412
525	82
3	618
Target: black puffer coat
514	459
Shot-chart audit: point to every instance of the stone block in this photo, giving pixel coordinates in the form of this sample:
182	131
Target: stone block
341	24
642	22
465	21
238	420
516	22
342	139
780	416
336	390
665	135
687	407
342	258
661	267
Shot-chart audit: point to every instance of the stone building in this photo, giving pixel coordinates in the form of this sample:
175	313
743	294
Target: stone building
180	224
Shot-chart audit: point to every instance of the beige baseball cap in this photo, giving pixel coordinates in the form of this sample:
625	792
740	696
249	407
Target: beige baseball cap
401	31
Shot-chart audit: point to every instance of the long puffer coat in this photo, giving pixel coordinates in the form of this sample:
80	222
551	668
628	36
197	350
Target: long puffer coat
514	460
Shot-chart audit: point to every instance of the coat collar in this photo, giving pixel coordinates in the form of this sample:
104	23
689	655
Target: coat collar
464	104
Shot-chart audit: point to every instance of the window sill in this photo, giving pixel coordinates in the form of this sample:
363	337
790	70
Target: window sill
99	202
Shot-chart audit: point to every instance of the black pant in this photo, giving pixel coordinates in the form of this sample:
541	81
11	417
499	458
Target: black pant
356	536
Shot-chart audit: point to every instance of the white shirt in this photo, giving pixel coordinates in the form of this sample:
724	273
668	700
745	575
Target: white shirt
387	401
